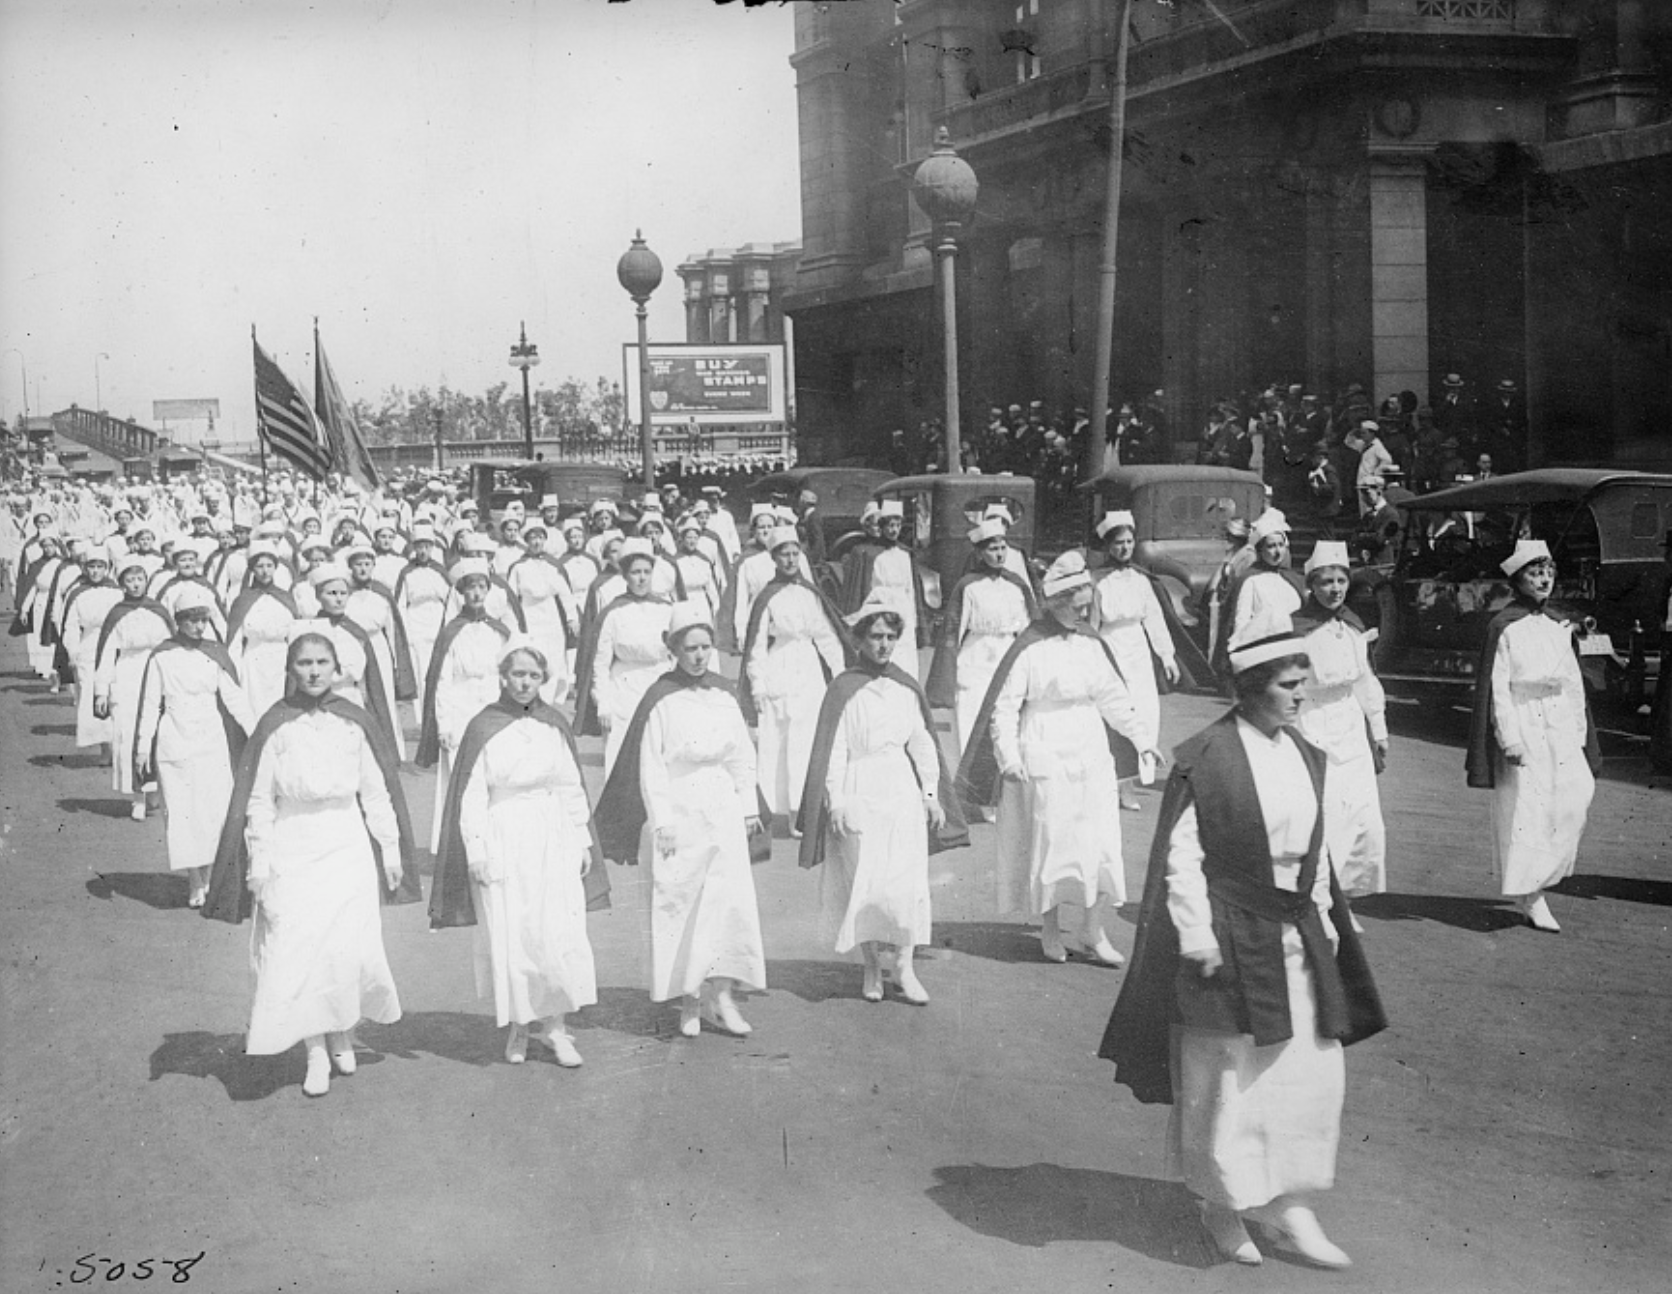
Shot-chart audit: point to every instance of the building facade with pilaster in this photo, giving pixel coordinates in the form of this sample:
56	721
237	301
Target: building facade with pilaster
1327	192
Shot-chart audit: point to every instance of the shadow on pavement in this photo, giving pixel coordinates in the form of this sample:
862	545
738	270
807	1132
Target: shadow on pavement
60	698
1040	1203
92	760
53	730
630	1011
995	940
106	808
220	1056
1479	915
1629	889
24	687
163	890
468	1038
816	981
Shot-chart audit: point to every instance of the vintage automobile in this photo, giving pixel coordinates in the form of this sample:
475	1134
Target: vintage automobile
494	482
843	493
1605	530
941	510
1180	513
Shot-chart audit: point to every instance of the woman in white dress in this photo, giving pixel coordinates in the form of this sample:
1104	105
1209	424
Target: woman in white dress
1247	976
548	607
631	651
132	628
421	594
1042	752
515	855
315	812
84	616
193	718
258	628
874	780
1127	616
682	800
1345	716
1532	741
792	648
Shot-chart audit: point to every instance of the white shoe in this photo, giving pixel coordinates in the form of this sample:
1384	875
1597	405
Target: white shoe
562	1048
871	991
1050	939
905	975
1229	1235
722	1014
690	1016
1101	950
1538	914
1295	1230
342	1053
516	1045
137	812
318	1080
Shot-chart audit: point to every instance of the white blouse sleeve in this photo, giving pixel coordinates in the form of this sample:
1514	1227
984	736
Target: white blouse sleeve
473	810
1114	703
1367	689
1187	887
375	802
1007	719
654	784
260	811
1504	717
571	789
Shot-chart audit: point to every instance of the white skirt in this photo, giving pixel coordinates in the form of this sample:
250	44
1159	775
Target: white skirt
874	885
1252	1123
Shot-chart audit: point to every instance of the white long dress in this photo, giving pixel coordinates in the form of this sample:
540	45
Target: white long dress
116	678
84	619
754	573
467	683
1251	1123
317	803
423	594
697	777
549	608
1128	618
1538	704
40	655
373	612
794	647
259	649
1343	696
874	885
994	612
1264	598
892	569
524	818
1059	837
630	657
182	692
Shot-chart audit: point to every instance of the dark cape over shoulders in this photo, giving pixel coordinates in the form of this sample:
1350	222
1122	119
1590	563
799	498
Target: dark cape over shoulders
229	893
1249	994
451	900
119	612
586	705
942	685
757	617
620	814
814	818
978	770
1480	765
145	761
859	573
245	602
428	754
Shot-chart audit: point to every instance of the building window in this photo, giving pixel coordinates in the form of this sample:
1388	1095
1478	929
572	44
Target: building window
1021	42
1467	10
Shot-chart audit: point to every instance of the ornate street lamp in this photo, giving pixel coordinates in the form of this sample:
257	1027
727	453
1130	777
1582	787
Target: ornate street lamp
525	355
945	187
640	272
98	388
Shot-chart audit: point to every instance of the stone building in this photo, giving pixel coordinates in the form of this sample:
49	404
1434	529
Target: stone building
738	295
1316	191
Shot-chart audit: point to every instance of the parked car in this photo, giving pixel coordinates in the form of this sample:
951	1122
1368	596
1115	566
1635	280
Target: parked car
494	482
941	510
843	493
1604	529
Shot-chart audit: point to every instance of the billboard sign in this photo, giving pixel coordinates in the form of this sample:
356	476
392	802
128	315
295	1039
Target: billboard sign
711	385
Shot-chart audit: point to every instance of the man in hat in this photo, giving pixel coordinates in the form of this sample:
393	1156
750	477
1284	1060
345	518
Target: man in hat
890	565
1504	426
810	525
1377	537
1374	459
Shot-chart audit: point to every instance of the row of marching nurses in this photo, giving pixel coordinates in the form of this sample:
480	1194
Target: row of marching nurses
1248	976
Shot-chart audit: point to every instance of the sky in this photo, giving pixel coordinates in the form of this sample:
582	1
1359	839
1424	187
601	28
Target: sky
422	175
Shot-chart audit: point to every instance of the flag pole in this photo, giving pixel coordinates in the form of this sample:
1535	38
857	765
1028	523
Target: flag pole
260	440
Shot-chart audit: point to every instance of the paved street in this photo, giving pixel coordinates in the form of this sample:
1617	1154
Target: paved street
1508	1133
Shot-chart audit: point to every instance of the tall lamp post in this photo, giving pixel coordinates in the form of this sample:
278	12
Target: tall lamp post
640	272
23	369
525	355
946	188
98	388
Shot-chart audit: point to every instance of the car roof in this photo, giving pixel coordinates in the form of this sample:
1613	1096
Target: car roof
1157	473
1542	485
927	480
795	477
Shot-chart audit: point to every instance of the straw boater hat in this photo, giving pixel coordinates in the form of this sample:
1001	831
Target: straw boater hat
1526	552
883	598
326	572
1066	574
465	567
990	528
1113	521
782	535
692	613
1327	553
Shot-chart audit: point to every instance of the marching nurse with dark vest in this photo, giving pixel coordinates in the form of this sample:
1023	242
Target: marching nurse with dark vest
1247	977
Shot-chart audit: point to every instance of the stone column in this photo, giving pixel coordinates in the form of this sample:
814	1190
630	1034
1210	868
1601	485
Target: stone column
719	309
696	309
1399	273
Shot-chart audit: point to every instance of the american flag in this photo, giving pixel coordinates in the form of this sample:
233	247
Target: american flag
283	420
